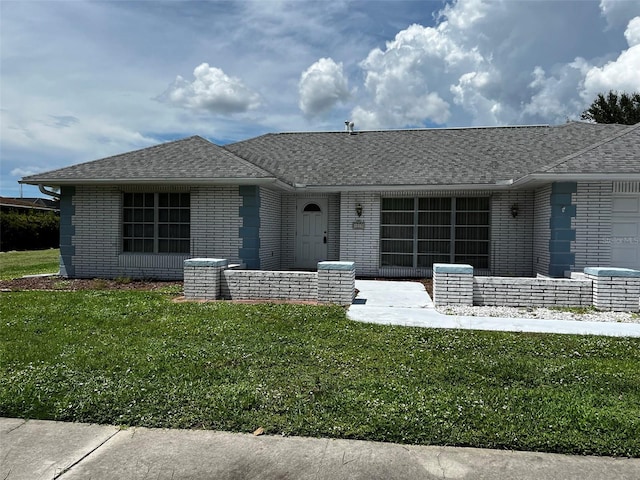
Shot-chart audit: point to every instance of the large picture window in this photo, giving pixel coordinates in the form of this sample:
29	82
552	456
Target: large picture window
156	223
418	232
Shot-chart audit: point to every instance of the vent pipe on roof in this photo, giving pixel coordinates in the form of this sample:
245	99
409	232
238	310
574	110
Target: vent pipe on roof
348	127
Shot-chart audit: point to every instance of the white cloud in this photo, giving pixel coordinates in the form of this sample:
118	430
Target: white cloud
620	74
25	171
632	33
322	86
409	79
490	63
467	93
80	79
554	98
463	14
211	90
618	12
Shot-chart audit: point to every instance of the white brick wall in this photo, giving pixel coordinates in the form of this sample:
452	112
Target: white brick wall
360	246
512	238
531	292
97	240
333	227
269	285
620	294
461	288
215	222
336	285
270	229
210	279
98	224
593	225
541	230
288	231
202	278
452	289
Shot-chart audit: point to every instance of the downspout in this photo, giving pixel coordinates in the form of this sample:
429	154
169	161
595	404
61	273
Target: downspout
48	192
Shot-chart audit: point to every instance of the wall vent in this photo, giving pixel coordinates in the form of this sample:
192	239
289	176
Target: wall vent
626	187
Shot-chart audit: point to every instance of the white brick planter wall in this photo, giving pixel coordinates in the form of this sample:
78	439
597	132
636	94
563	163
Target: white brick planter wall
202	277
259	284
615	289
336	282
210	279
531	292
452	284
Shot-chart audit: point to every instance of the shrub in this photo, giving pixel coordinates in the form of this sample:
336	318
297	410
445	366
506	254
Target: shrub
33	230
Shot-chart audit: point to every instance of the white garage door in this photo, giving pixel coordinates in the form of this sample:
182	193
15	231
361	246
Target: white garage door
626	231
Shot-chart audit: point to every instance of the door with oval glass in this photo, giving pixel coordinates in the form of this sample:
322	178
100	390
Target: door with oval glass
311	232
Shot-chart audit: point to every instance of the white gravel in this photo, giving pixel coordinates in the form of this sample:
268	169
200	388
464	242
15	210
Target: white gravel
540	314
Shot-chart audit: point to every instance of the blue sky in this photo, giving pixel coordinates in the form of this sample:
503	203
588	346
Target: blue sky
82	80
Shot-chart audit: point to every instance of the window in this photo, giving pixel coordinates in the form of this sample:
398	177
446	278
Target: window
156	223
418	232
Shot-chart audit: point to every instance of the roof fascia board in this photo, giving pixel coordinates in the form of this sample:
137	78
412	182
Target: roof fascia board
400	188
50	182
579	177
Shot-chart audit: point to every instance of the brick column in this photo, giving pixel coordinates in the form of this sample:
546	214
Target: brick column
616	289
336	282
202	277
452	284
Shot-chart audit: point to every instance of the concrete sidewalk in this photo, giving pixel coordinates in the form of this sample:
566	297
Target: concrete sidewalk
42	450
408	304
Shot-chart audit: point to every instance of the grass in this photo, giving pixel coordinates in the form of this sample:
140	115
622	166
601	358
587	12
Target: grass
137	358
19	264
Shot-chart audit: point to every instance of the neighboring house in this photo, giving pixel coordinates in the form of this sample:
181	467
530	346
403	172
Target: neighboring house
13	204
508	200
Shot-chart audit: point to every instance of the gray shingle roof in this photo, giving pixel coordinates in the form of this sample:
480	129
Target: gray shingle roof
420	157
186	159
617	154
465	156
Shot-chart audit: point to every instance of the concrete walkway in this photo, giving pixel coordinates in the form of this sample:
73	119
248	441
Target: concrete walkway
408	304
42	450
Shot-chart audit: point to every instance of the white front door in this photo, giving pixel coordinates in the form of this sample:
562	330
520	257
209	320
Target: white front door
311	232
625	231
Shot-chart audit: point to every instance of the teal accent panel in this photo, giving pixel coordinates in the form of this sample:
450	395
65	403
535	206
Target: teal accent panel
564	187
560	222
561	231
249	232
567	235
560	199
67	231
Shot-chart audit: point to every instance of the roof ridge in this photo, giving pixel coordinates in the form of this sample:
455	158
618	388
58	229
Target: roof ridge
269	172
391	130
589	148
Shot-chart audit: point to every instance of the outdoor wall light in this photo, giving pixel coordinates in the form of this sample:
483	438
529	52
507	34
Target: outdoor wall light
359	209
515	210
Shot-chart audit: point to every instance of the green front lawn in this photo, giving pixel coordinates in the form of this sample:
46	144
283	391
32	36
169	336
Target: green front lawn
18	264
137	358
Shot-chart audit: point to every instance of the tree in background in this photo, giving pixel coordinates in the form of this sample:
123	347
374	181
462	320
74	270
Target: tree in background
29	230
620	108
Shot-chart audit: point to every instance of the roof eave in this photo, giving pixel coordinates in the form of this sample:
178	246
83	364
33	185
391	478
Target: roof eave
52	182
535	179
403	187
